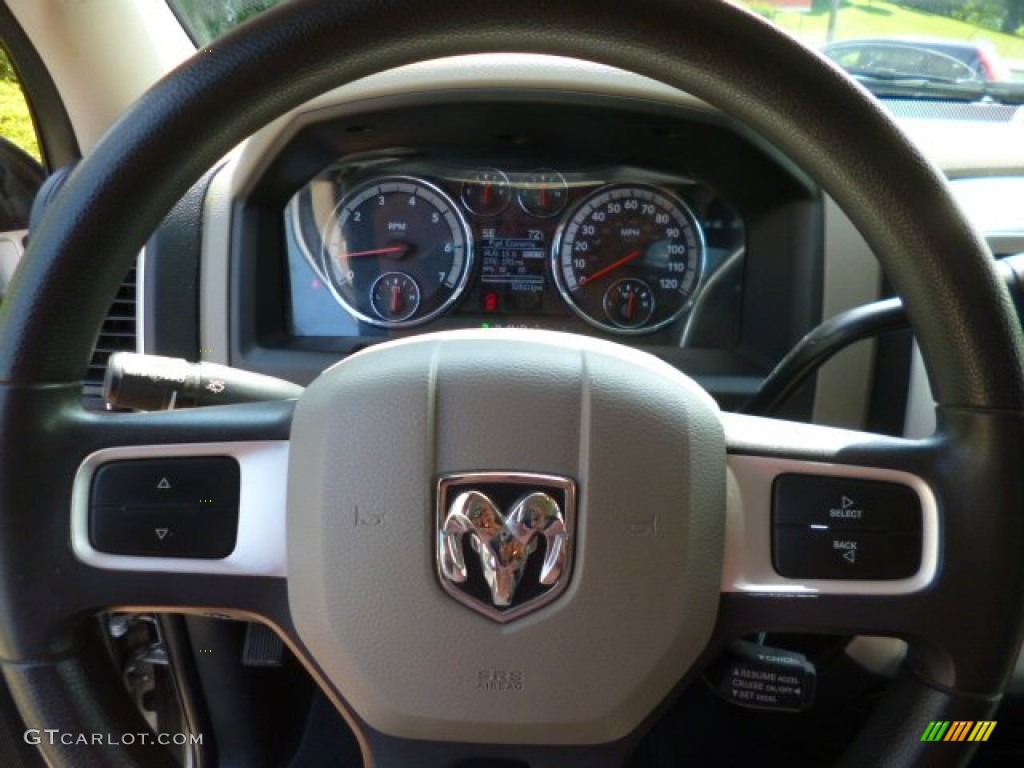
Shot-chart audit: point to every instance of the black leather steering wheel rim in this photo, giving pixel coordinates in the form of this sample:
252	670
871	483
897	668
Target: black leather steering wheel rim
959	309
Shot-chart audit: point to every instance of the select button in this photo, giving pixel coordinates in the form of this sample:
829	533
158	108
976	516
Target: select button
844	503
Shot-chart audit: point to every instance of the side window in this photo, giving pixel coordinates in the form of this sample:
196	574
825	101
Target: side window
20	169
15	119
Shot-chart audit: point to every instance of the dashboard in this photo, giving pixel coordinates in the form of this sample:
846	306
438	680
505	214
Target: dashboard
644	223
399	242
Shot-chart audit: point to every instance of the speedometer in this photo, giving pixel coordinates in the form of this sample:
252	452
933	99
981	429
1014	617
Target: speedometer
397	252
629	259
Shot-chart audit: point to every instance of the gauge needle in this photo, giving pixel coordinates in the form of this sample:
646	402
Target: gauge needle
631	305
396	298
402	248
633	255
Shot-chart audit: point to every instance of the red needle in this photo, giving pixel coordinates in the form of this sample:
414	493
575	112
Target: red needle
631	305
376	251
633	255
487	194
396	298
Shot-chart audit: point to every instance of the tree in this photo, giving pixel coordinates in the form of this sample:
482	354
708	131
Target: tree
6	70
1014	18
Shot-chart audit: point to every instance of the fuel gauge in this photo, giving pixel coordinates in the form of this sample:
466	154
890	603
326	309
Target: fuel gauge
628	303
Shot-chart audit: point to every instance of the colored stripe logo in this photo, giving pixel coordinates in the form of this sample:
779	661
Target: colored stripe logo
958	730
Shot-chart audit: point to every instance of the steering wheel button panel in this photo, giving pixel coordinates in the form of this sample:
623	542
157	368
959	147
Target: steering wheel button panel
843	503
811	553
795	546
174	507
119	510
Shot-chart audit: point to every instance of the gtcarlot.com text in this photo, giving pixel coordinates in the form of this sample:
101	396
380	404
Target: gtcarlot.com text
52	736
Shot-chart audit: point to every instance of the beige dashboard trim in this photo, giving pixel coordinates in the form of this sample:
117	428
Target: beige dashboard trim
214	269
102	56
512	72
852	278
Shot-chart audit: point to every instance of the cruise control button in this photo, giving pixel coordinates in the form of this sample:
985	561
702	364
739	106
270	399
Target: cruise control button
809	553
844	503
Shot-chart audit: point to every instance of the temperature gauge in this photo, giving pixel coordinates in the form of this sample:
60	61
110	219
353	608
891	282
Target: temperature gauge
543	193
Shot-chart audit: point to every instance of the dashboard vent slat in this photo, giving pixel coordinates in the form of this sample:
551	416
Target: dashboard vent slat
118	334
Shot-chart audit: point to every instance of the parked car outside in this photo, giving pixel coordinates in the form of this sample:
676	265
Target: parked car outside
921	57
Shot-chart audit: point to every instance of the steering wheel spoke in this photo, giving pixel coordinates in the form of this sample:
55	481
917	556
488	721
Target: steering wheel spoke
180	510
842	532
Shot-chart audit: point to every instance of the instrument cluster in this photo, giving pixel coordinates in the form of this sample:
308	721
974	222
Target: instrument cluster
387	243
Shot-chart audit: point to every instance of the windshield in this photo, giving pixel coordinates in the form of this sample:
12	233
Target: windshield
956	49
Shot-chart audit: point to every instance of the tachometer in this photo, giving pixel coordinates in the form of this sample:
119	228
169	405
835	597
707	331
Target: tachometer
397	252
629	259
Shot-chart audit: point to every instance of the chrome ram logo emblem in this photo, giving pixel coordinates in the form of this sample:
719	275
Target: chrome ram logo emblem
505	540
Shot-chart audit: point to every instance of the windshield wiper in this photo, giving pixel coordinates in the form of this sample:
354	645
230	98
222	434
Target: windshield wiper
896	76
926	87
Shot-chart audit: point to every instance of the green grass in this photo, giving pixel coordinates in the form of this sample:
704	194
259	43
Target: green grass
874	18
15	121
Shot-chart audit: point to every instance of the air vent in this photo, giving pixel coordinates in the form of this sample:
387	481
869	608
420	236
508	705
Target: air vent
119	334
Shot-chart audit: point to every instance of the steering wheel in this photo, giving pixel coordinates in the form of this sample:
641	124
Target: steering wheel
362	605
